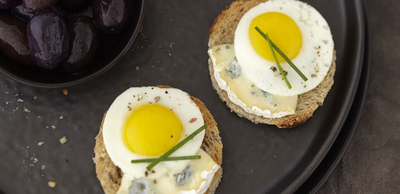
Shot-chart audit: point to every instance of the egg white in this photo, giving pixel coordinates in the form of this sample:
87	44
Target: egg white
314	58
120	110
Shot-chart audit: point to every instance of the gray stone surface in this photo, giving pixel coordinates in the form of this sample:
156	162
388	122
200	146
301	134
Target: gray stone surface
371	165
372	162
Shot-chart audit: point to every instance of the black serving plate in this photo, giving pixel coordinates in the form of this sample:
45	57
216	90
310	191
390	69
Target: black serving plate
342	142
171	50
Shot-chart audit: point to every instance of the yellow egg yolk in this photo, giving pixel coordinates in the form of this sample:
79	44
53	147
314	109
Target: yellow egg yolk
152	129
281	29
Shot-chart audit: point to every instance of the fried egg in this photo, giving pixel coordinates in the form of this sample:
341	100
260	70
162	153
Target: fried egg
299	31
146	122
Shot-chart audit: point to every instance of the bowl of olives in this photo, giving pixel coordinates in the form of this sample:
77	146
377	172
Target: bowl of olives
61	43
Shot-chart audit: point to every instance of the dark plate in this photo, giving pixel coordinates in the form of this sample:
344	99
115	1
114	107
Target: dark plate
172	51
111	49
342	142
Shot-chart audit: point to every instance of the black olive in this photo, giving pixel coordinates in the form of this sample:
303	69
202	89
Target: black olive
48	39
33	6
13	39
112	16
83	44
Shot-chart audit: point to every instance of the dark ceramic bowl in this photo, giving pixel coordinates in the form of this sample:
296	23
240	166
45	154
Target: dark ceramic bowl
111	49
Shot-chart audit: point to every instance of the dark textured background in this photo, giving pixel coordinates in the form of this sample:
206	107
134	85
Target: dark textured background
371	165
372	162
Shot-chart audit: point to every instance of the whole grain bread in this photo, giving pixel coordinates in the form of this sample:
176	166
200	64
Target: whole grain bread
110	175
222	31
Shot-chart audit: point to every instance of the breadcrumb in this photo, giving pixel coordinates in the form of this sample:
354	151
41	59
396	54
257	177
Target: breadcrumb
63	140
65	92
26	110
52	184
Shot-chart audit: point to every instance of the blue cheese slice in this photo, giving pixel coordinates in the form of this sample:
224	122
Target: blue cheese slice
242	91
194	179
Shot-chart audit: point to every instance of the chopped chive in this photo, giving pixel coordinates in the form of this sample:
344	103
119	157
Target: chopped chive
277	62
284	56
195	157
289	62
177	146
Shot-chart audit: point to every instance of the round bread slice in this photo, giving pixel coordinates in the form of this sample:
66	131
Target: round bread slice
110	175
223	30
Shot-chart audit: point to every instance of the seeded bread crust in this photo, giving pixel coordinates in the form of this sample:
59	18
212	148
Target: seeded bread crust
110	175
223	30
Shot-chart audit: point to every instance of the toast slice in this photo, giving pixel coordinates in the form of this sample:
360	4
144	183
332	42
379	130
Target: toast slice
223	30
110	175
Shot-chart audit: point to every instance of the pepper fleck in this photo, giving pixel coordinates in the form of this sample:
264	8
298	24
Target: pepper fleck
193	120
157	98
285	72
273	69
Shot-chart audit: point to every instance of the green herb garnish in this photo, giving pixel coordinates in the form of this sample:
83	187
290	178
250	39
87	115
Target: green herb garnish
177	146
277	62
283	55
195	157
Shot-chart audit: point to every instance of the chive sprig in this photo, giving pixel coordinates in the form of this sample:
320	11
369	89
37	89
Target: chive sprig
297	70
277	62
176	147
195	157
